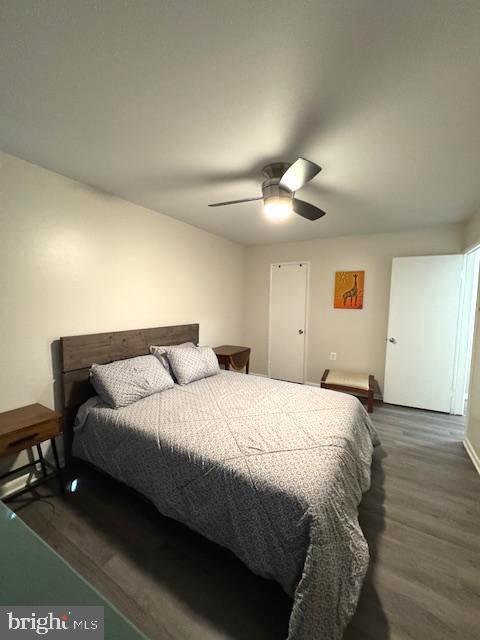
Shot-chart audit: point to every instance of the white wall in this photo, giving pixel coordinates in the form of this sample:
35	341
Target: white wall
75	261
357	336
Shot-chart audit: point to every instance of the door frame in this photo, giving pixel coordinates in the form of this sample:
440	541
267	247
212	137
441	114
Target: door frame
465	330
307	306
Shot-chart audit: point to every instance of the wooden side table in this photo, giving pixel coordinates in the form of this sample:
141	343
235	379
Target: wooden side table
26	428
233	356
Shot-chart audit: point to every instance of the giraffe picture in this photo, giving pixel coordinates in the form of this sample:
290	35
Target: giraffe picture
349	288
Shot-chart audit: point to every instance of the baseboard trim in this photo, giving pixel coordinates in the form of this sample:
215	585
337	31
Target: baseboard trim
260	375
472	454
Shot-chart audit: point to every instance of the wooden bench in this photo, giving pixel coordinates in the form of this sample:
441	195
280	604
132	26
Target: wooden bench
355	383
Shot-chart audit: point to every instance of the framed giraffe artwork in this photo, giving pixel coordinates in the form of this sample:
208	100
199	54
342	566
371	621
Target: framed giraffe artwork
349	289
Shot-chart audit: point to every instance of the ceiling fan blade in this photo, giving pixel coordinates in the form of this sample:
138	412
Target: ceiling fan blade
298	174
307	210
221	204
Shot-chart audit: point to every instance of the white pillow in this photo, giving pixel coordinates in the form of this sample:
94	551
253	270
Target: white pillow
124	381
161	352
190	364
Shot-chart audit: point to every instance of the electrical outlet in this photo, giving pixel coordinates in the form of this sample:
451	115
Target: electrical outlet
333	355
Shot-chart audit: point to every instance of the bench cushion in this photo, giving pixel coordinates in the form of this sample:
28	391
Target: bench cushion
348	379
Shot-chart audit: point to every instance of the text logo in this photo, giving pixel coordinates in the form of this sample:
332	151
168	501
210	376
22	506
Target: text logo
26	623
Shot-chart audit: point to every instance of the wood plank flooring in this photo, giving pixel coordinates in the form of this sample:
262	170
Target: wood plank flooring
421	519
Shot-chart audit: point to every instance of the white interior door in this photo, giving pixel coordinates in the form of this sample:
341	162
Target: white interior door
422	331
288	303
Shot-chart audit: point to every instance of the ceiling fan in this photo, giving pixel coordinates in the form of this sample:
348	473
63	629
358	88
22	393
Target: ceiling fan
282	181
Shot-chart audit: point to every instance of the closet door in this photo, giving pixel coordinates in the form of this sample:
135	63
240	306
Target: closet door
288	302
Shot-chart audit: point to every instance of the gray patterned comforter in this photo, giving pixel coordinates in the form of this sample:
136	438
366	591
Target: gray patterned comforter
272	470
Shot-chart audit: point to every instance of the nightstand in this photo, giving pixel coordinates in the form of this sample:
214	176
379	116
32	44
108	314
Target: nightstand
26	428
233	356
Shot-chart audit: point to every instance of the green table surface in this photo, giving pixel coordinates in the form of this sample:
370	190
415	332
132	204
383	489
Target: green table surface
31	573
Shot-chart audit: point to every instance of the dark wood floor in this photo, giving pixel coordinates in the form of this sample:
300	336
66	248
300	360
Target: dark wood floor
421	519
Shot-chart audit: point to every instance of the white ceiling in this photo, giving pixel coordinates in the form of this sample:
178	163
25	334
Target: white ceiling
177	103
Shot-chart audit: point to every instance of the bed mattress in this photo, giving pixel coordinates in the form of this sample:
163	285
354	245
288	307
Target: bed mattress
272	470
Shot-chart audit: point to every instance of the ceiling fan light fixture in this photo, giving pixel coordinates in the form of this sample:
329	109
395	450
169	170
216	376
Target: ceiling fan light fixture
279	190
277	208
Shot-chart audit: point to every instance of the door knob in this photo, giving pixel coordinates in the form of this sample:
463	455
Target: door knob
392	340
300	331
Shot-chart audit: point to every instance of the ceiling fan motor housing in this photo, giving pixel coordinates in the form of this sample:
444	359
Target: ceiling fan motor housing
271	189
275	169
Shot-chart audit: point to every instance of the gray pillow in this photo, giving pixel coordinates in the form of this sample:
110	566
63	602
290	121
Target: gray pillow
122	382
161	352
190	364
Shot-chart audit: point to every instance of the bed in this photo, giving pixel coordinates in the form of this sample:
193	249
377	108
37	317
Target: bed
272	470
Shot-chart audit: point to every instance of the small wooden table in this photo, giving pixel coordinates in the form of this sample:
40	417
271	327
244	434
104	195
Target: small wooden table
233	356
26	428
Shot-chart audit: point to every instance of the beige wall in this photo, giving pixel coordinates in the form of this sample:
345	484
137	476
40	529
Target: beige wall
358	336
74	260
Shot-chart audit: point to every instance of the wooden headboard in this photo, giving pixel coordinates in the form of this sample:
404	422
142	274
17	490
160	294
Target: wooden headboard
79	352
